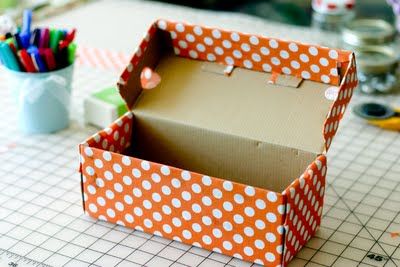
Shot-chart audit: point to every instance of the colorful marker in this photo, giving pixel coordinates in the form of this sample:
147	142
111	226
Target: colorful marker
7	57
26	60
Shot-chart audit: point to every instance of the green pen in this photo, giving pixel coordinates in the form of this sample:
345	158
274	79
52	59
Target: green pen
55	37
71	53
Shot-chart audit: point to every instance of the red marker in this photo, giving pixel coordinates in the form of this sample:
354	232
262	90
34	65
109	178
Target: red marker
47	55
26	60
70	36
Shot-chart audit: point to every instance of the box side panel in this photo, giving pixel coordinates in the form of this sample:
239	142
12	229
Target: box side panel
305	198
344	94
115	138
215	214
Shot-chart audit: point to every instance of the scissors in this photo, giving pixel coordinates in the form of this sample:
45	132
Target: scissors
379	115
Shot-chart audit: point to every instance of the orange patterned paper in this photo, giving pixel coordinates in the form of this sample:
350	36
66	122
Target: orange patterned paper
245	222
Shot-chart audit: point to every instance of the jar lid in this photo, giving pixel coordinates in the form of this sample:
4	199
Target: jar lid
368	32
333	7
376	59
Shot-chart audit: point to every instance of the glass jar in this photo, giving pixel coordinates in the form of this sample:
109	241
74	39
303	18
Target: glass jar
375	45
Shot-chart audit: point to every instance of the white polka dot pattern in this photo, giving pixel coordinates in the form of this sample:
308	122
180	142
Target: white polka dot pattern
305	198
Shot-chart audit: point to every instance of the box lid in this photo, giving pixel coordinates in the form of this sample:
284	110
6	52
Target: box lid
243	104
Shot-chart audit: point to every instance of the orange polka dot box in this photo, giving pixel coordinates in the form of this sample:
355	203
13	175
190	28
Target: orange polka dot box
224	144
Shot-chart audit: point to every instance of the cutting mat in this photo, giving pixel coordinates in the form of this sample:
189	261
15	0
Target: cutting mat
41	217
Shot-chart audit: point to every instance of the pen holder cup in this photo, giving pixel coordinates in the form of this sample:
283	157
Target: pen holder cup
43	99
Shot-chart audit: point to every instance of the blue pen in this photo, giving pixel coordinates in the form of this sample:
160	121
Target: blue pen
8	58
25	40
38	62
26	22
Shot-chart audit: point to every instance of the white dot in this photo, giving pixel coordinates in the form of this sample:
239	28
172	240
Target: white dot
128	199
228	186
98	163
217	193
227	245
196	188
119	206
313	51
186	195
333	54
211	57
91	189
137	192
186	215
176	183
237	54
146	185
101	201
249	190
314	68
323	61
109	194
266	67
281	209
249	211
99	182
247	63
295	64
182	44
196	227
176	203
217	233
200	47
147	223
275	61
127	180
129	218
216	33
259	244
155	177
238	238
165	170
325	79
93	208
206	180
156	197
305	74
167	228
186	175
206	239
179	27
145	165
90	170
226	44
260	224
249	231
166	209
293	47
118	187
284	54
193	54
227	226
116	135
190	38
270	237
107	156
229	61
235	36
269	257
248	251
273	43
147	204
208	41
304	58
254	40
256	57
218	50
217	213
271	217
245	47
206	220
238	198
186	234
196	208
162	24
265	51
110	213
260	204
228	206
88	151
157	216
206	201
237	218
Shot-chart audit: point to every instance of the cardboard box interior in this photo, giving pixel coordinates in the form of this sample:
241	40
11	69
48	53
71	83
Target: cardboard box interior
235	127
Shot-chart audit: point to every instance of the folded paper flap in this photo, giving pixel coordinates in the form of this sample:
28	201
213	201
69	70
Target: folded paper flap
255	53
285	80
